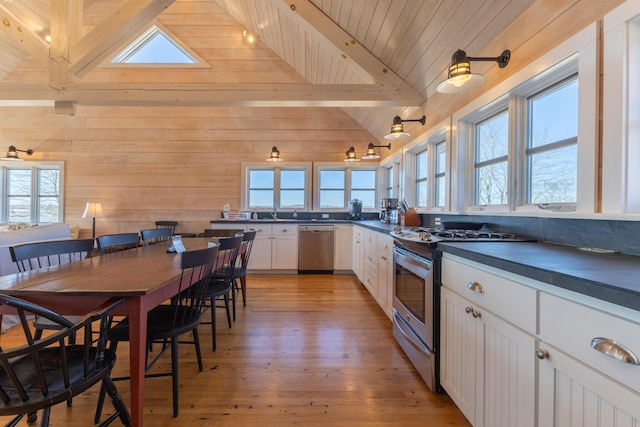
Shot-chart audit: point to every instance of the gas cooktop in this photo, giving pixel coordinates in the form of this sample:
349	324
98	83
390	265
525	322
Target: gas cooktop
435	235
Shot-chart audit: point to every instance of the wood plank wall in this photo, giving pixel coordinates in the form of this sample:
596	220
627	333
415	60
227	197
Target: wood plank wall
145	164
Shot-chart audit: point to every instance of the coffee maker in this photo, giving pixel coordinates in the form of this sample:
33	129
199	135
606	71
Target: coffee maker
389	211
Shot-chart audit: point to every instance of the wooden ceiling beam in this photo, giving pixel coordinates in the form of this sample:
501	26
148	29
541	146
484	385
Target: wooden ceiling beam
66	26
235	95
117	29
363	62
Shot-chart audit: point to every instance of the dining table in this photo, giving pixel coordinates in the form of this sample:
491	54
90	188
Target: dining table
145	277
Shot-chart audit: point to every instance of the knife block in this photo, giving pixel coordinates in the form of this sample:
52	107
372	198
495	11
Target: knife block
411	218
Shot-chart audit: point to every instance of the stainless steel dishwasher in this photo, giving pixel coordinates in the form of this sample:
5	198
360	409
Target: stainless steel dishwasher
315	249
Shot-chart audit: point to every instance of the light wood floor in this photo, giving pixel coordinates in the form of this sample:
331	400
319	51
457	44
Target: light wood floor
307	350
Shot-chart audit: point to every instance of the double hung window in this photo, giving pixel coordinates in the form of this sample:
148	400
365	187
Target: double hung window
336	185
421	179
491	155
32	194
268	187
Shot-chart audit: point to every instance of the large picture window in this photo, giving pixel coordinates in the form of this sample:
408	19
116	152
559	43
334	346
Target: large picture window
32	194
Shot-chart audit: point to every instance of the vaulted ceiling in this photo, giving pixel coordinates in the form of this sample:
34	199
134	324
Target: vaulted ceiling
373	58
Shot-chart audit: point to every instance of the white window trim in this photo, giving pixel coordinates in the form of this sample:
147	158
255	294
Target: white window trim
244	179
318	166
427	141
393	161
583	43
40	164
621	111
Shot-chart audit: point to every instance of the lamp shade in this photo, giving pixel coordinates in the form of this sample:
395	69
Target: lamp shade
351	155
275	155
93	210
12	153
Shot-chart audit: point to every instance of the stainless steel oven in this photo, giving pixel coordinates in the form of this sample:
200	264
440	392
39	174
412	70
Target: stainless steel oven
415	310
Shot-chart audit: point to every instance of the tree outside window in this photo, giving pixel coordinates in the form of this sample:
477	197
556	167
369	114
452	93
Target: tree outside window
491	168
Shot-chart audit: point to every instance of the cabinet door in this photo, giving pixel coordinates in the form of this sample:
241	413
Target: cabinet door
260	258
488	365
461	355
385	273
572	394
509	376
357	252
342	259
284	252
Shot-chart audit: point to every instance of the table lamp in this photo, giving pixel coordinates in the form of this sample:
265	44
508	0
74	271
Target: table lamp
93	210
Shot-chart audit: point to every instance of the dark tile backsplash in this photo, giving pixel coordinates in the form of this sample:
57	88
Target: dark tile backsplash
619	236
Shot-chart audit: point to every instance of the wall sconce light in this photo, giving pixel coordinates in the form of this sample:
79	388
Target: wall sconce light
351	155
397	130
275	155
93	210
12	153
371	151
461	78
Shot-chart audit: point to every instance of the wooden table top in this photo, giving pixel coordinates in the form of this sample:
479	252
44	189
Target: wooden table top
129	273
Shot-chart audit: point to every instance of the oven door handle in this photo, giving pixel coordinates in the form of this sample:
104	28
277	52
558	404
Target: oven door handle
413	260
410	335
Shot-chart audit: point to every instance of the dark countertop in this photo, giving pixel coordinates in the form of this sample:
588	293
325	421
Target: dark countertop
612	277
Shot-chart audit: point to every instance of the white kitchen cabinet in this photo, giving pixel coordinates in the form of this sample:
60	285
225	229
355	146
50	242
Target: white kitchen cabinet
385	273
487	363
274	248
358	243
370	261
578	384
343	247
284	247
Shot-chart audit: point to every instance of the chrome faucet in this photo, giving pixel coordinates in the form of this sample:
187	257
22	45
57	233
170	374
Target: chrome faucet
274	214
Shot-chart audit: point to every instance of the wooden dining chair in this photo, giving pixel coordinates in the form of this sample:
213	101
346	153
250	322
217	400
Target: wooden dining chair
37	255
166	323
110	243
153	236
43	372
221	284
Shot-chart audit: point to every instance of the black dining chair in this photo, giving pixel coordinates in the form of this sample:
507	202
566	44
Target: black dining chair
37	255
239	275
44	372
221	284
110	243
153	236
167	322
167	224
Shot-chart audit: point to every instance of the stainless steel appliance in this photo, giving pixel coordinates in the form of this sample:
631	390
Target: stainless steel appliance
416	295
315	249
389	211
355	209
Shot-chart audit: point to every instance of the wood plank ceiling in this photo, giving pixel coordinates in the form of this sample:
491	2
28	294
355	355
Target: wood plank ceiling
374	58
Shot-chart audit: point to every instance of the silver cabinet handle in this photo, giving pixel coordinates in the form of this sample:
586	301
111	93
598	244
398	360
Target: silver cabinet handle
468	309
384	258
542	354
476	287
476	314
614	349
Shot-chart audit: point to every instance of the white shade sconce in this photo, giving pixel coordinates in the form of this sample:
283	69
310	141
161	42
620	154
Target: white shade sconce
397	129
249	36
371	151
351	155
93	210
12	153
275	155
460	77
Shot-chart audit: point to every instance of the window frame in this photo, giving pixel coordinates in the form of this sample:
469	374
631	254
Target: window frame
322	166
247	167
577	54
440	133
34	167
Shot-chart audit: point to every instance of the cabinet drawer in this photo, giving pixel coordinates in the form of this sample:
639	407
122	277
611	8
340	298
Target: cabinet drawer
510	300
284	230
571	327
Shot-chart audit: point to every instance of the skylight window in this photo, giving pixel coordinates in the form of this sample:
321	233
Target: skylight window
154	46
